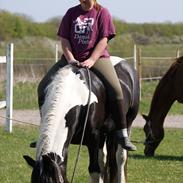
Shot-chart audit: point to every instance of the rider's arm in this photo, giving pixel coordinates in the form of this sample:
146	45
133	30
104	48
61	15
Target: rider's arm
96	54
99	49
67	50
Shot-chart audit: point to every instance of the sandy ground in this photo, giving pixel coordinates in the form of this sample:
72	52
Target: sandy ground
32	117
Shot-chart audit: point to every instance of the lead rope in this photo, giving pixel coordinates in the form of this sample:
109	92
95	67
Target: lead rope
84	128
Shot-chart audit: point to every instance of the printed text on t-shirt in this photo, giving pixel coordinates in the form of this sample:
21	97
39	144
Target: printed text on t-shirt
82	29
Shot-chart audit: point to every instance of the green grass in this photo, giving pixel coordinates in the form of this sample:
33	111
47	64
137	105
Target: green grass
161	50
148	89
24	95
12	147
165	167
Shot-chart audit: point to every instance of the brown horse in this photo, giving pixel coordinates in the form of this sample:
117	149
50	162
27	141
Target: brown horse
168	90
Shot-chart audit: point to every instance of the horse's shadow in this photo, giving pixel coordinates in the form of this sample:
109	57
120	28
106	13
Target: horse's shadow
157	157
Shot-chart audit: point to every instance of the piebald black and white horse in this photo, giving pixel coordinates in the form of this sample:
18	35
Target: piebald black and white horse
62	121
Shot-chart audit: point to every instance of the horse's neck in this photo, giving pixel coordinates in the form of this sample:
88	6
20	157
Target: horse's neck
66	91
162	101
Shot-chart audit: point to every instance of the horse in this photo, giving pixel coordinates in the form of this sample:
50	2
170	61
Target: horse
168	90
62	123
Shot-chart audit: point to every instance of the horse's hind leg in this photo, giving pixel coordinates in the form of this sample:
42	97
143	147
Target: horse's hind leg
111	159
116	161
121	157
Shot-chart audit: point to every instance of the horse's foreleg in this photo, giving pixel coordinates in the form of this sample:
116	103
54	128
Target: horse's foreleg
94	168
121	157
111	165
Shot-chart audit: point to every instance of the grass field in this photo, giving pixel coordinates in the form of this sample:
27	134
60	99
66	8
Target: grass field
165	167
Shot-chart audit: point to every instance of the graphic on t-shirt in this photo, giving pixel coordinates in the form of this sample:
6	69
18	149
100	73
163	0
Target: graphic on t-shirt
82	29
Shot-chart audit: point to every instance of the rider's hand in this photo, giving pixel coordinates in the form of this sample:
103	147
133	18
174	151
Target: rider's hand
87	63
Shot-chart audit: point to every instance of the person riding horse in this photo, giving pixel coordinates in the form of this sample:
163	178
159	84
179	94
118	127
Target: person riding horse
85	31
84	117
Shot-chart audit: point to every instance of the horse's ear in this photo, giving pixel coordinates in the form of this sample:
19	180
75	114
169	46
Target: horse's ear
145	117
29	160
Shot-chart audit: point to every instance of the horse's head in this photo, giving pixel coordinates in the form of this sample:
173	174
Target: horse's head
47	169
152	140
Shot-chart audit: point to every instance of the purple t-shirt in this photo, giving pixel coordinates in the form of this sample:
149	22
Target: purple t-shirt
84	29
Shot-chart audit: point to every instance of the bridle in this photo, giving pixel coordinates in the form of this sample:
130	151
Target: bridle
150	139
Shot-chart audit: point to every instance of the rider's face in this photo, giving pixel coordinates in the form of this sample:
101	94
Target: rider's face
87	4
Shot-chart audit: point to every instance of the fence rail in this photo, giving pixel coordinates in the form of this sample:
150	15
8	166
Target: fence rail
149	68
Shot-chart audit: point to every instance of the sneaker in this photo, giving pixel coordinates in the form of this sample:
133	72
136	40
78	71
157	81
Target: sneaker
33	144
126	144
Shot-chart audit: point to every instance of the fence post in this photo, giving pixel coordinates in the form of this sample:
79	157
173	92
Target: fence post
56	52
3	102
9	87
139	61
177	53
135	57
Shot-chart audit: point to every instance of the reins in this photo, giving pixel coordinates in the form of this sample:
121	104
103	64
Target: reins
84	127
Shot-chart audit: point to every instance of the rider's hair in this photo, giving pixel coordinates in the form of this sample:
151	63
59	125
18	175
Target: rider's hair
96	5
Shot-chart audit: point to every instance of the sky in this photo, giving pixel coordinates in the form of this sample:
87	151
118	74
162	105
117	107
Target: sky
132	11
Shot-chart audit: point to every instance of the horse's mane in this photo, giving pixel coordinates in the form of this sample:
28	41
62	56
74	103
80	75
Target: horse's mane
166	80
50	113
64	92
179	60
171	71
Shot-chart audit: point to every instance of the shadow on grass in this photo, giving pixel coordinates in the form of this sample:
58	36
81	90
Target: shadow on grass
157	157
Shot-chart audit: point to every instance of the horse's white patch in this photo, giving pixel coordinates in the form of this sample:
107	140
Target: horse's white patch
65	91
102	159
115	60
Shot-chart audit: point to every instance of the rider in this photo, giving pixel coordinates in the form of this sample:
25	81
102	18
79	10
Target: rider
85	31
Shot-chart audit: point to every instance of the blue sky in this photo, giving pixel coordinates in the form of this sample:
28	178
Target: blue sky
138	11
